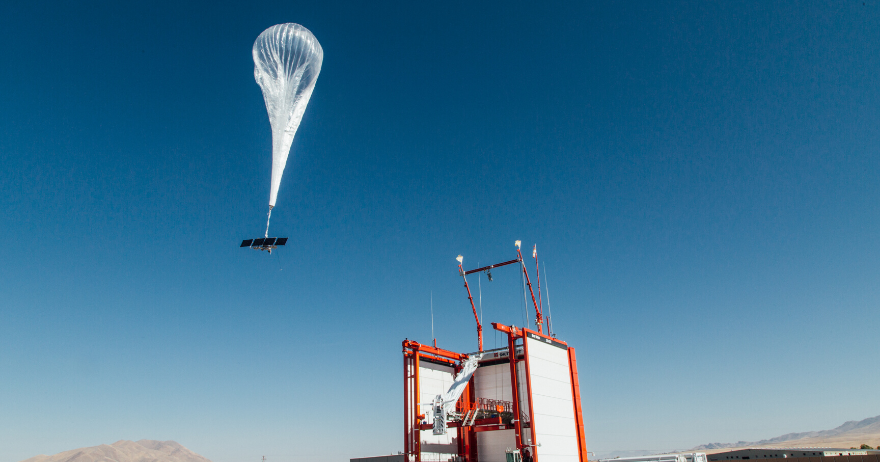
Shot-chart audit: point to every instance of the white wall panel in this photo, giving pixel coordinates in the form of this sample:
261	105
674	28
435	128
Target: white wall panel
435	379
523	396
493	382
552	402
491	445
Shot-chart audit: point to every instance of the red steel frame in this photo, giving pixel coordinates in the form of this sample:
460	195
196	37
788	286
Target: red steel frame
534	439
467	447
513	334
578	413
412	352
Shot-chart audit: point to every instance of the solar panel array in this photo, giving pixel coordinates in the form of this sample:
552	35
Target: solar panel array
264	242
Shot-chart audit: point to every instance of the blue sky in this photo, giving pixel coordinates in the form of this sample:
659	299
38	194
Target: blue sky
701	179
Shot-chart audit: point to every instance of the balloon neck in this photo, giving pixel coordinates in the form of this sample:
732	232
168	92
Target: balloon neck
268	217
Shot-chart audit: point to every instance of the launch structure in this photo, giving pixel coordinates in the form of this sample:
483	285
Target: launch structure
497	405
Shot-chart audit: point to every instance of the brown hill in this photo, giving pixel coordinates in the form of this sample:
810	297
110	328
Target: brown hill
849	434
126	451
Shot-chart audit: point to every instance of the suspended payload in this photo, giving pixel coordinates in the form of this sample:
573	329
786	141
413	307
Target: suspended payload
287	61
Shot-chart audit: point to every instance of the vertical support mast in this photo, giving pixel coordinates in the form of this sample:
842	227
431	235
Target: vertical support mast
418	396
539	318
578	413
407	431
538	271
514	383
471	299
512	335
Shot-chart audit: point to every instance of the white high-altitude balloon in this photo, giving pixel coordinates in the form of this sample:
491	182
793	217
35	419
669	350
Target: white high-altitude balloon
287	61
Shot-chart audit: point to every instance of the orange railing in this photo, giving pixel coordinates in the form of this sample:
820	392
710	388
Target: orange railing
486	404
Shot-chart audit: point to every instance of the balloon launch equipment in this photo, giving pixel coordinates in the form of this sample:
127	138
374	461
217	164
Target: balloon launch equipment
268	243
287	61
486	405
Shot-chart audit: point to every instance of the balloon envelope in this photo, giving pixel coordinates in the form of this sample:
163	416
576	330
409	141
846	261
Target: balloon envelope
287	61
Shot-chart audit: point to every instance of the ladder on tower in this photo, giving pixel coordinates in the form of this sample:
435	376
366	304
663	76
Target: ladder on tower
472	416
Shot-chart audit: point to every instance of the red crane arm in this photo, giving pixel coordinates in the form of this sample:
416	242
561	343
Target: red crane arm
539	318
474	307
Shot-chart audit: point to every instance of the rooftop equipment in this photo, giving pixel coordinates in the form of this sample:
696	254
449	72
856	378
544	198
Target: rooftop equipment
686	457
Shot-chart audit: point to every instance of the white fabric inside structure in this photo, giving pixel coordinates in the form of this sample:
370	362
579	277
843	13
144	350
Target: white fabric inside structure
461	380
493	382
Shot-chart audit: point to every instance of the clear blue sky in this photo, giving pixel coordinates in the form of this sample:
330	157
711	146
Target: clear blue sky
701	179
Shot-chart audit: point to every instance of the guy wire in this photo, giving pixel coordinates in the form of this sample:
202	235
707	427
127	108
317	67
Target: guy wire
549	312
269	217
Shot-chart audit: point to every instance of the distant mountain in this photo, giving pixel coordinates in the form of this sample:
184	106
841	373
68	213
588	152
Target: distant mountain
849	434
126	451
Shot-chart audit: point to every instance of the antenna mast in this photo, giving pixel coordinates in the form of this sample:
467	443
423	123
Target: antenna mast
549	311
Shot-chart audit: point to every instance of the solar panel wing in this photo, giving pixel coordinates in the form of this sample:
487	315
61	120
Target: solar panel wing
269	241
281	241
258	242
246	242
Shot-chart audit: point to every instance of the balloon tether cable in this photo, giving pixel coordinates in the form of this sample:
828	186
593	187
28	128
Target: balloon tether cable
267	221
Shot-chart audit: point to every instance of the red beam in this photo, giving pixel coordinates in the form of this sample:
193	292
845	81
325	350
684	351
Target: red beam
416	346
417	448
477	423
489	421
528	371
489	428
514	385
509	330
475	428
407	431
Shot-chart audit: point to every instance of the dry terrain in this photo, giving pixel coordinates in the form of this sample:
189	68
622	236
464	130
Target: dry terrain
850	434
126	451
